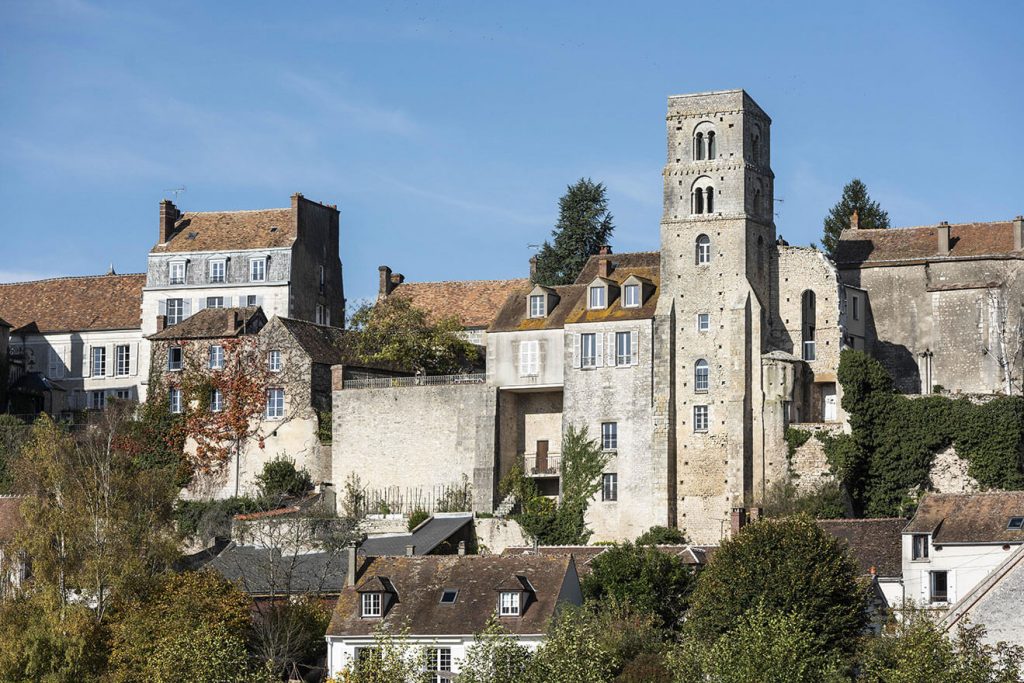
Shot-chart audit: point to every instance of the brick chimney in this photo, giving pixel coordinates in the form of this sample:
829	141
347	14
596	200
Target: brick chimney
533	269
1018	233
168	215
855	220
738	519
603	266
605	250
943	234
161	323
350	570
384	287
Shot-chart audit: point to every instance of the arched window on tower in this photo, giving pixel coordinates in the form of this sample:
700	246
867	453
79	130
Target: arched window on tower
703	250
711	144
701	376
698	201
808	313
709	200
698	146
755	145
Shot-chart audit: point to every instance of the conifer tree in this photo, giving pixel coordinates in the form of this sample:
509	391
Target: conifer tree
584	225
855	197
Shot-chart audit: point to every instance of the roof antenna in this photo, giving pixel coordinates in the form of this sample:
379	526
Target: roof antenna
176	191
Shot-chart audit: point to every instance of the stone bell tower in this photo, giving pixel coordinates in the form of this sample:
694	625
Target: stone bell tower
717	242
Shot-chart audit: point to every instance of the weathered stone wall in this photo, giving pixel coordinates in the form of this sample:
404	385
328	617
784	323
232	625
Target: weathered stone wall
503	358
418	437
948	473
493	535
316	245
524	419
809	467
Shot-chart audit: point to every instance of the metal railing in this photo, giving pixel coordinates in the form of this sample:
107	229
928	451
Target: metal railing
535	468
419	381
809	350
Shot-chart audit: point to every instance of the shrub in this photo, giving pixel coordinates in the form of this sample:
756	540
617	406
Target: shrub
280	478
417	517
647	579
662	535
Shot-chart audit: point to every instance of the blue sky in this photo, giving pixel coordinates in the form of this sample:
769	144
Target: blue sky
446	132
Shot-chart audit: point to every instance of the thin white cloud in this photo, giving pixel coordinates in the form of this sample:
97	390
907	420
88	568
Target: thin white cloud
335	98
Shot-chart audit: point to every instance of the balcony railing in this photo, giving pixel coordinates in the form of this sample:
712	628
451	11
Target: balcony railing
543	466
420	381
809	351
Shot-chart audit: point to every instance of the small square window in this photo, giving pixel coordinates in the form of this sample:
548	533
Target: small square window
609	436
597	299
631	296
123	394
371	604
703	322
1016	524
610	487
919	550
537	306
509	604
258	270
215	302
448	596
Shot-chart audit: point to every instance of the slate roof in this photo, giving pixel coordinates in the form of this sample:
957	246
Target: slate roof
572	299
74	304
11	520
215	323
873	543
262	571
231	230
426	537
4	323
419	582
864	248
474	302
968	517
324	344
692	555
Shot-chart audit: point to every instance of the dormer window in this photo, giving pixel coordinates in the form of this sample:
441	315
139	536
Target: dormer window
537	307
509	603
217	270
258	270
597	299
631	296
372	604
177	273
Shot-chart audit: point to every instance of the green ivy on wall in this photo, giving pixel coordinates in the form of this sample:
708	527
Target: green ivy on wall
895	438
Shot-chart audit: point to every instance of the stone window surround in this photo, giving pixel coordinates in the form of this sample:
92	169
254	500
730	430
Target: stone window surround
218	270
610	487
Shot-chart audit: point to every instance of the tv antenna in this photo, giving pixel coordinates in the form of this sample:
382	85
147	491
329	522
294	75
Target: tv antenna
533	246
176	191
780	200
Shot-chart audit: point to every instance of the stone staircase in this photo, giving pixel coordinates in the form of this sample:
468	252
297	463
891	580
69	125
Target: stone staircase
506	506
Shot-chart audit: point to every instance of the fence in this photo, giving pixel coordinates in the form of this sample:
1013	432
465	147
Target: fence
418	381
398	500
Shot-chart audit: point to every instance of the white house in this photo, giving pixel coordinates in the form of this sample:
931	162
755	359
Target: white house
956	540
443	601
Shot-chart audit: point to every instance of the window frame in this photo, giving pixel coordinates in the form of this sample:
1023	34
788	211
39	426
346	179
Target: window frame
540	310
703	322
371	605
933	595
701	371
216	357
920	547
98	369
609	487
631	297
509	604
179	305
623	359
262	263
174	400
855	306
172	365
701	411
439	660
122	359
609	436
273	394
274	360
217	302
454	592
1011	526
218	271
703	250
99	404
602	291
584	358
173	278
216	401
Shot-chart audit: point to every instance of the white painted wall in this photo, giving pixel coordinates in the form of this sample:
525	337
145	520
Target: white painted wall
967	566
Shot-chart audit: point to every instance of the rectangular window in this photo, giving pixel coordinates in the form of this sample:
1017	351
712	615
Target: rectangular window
439	660
323	316
631	296
700	375
537	306
623	348
97	399
216	357
597	297
588	350
258	270
529	358
175	400
509	604
920	547
275	403
703	322
174	358
99	361
175	311
216	401
123	358
177	273
217	271
372	604
609	486
609	435
215	302
123	394
938	590
251	299
855	303
323	279
700	418
1015	524
274	361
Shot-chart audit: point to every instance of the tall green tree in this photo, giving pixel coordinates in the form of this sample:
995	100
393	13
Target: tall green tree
584	225
855	197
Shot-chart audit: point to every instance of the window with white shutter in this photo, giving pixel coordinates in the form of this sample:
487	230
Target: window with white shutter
529	359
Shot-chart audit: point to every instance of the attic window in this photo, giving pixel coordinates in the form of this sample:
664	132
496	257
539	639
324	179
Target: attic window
537	306
508	604
1016	524
192	235
631	298
372	604
597	298
273	228
448	597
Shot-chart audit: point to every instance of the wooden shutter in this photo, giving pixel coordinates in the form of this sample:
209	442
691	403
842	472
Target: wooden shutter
186	308
87	364
599	349
517	361
613	349
200	303
133	358
634	346
542	353
576	350
161	307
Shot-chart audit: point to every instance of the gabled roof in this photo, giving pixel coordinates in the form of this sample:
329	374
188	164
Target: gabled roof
263	571
475	303
74	304
231	230
969	517
691	555
420	581
874	543
324	344
918	245
631	261
425	539
11	520
216	323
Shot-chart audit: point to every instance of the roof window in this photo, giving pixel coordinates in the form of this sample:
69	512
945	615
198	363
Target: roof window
448	596
1016	524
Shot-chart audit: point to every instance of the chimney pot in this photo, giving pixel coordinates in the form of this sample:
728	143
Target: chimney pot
855	220
605	249
1018	233
943	232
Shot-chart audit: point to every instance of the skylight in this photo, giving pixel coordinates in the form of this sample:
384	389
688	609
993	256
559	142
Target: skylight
1016	524
448	597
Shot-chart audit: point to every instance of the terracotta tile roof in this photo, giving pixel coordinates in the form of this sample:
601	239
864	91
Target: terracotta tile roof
216	323
324	344
876	543
896	245
584	554
969	517
229	230
474	302
419	582
572	299
74	304
11	520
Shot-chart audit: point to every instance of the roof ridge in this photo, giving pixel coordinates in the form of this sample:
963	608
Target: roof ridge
70	277
863	519
926	227
281	208
449	282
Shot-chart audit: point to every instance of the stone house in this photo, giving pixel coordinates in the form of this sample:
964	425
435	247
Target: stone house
284	261
442	601
955	541
75	342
